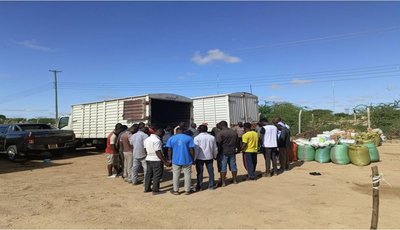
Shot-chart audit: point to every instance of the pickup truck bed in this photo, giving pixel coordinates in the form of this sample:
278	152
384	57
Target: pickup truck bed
34	139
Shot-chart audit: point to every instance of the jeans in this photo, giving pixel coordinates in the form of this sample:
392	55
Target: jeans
200	170
128	162
154	173
135	168
270	155
228	159
251	163
176	172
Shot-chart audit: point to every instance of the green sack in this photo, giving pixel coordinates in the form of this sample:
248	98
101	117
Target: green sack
323	154
373	152
359	155
340	155
306	153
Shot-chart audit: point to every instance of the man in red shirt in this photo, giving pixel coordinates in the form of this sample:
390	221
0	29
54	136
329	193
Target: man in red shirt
112	153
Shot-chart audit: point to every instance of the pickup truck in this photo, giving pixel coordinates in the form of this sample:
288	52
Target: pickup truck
24	140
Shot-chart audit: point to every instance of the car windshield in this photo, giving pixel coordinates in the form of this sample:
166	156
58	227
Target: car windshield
34	127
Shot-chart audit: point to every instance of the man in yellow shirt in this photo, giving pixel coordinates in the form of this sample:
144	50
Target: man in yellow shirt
250	150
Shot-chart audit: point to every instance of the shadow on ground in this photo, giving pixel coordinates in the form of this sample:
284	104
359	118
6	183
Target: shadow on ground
32	163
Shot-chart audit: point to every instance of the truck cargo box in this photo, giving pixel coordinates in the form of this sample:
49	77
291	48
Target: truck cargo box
94	121
232	108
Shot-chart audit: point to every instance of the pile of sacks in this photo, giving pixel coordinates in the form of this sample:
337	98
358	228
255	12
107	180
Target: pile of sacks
340	147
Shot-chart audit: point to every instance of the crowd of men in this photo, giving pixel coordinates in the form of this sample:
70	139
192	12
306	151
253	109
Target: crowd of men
130	149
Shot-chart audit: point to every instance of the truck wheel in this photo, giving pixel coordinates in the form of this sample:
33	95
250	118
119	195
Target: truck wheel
12	152
57	154
100	147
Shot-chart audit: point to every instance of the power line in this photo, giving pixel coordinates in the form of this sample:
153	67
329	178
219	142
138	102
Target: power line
383	71
244	79
338	75
324	38
26	93
200	87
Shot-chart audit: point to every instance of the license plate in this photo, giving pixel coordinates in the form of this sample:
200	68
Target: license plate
53	146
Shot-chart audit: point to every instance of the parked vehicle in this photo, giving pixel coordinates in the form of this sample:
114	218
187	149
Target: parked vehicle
232	108
18	140
92	122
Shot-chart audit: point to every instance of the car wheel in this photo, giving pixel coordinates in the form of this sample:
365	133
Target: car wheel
12	152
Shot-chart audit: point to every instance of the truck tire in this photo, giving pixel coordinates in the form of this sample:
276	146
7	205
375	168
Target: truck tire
12	152
57	154
100	147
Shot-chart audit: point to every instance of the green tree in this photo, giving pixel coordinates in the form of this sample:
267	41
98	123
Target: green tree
2	119
42	120
287	111
387	118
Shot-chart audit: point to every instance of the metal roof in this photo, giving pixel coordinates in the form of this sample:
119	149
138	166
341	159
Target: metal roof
160	96
237	94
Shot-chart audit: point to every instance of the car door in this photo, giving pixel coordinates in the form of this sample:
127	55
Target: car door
3	130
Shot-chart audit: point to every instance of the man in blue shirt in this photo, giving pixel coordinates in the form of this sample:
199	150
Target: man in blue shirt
181	151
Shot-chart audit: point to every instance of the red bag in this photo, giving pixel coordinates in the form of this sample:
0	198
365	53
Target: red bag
293	152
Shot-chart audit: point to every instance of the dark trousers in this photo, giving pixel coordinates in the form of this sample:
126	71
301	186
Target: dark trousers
153	174
270	155
165	152
200	170
121	161
283	158
219	161
251	163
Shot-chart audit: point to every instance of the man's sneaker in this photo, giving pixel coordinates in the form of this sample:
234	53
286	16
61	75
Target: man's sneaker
112	176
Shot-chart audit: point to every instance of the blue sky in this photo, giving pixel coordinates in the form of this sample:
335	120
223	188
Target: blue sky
323	55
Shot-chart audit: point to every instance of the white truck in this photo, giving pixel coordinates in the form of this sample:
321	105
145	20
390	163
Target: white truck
232	108
92	122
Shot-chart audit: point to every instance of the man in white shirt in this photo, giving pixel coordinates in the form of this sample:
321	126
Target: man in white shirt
154	161
270	144
205	152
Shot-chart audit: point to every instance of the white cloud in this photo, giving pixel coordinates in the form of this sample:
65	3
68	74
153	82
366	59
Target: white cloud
32	44
300	81
275	86
214	55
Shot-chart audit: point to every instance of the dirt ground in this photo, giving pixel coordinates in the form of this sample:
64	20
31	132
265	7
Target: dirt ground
73	192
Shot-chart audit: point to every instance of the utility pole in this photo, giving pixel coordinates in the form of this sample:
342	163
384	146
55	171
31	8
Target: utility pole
55	90
333	94
217	79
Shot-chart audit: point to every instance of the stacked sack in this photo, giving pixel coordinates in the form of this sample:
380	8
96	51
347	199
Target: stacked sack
339	147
